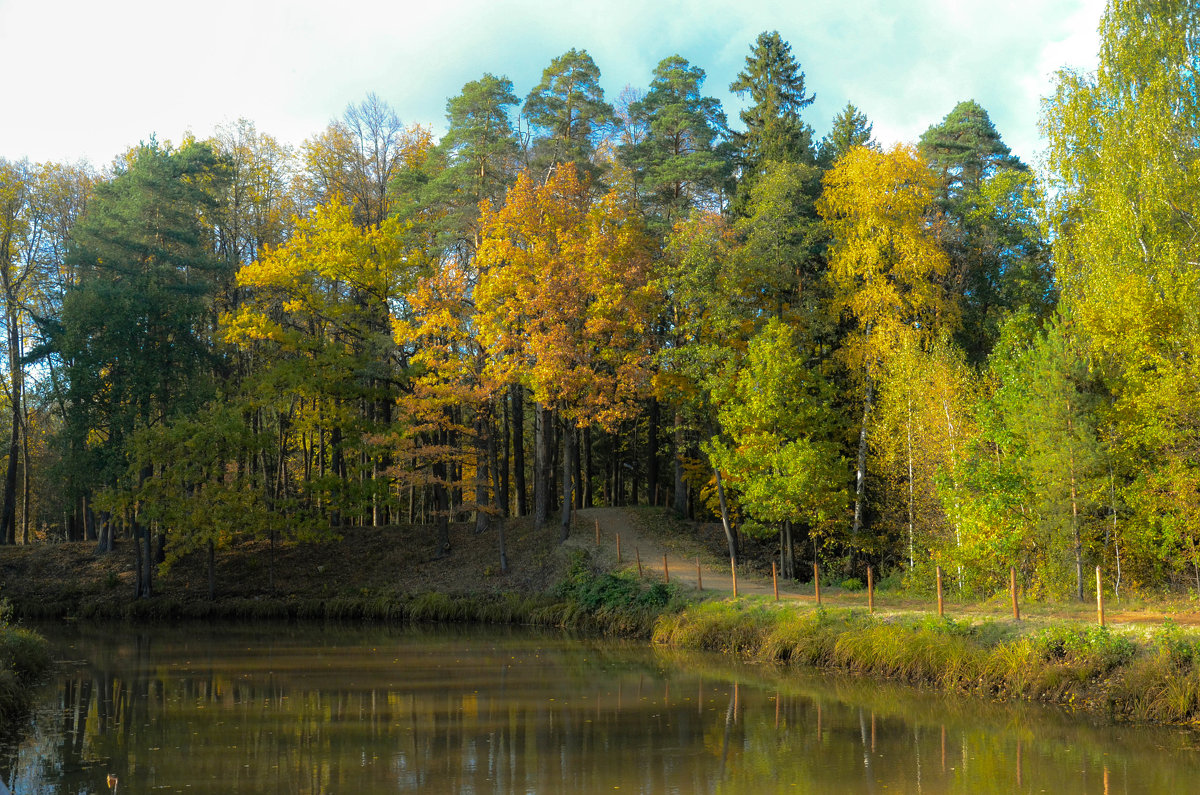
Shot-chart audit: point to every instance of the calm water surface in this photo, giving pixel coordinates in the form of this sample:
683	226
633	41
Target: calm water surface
316	709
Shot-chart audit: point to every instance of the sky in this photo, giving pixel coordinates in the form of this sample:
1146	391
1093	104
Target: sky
88	79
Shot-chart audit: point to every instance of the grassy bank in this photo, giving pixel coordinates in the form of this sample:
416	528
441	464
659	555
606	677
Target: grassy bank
1152	678
24	658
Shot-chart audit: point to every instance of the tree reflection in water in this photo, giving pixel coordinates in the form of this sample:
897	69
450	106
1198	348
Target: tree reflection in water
350	710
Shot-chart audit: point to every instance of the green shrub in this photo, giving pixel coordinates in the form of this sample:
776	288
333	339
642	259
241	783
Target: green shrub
1183	649
1094	647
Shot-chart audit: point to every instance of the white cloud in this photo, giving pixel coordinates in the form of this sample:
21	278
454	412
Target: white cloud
89	78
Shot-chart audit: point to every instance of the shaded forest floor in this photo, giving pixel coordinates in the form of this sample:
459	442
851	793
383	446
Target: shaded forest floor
63	579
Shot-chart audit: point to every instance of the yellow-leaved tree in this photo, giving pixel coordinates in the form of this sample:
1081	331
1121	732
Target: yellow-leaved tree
565	301
886	269
318	310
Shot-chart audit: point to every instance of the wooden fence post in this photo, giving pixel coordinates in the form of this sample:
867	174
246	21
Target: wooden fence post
941	613
870	589
1099	597
1012	590
733	568
637	553
817	582
699	578
775	580
597	532
666	571
618	548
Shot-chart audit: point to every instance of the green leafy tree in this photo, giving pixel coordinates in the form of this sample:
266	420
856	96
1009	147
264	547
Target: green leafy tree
1126	196
965	149
318	315
781	447
779	266
478	158
1048	401
702	328
201	494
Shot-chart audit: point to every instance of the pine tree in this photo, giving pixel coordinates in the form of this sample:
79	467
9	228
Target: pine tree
136	332
567	108
679	164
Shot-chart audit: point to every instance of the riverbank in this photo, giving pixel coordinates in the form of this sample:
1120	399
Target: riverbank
24	659
1136	673
1148	672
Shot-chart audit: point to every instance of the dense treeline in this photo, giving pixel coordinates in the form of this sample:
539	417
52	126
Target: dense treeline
910	356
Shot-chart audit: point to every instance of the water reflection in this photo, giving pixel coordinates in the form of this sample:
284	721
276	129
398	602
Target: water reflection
335	710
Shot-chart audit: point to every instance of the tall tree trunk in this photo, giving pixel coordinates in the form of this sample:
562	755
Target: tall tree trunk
481	473
518	448
577	468
730	533
860	472
787	553
339	471
456	475
911	499
652	453
618	480
503	549
500	468
89	520
1077	542
24	474
568	465
587	467
499	500
441	518
212	570
145	558
681	501
385	463
104	533
554	464
633	459
141	562
541	459
8	513
1112	496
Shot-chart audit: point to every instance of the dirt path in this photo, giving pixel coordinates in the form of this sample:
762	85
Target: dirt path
717	578
682	570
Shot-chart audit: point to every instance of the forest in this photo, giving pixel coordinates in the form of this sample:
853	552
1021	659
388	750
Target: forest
931	354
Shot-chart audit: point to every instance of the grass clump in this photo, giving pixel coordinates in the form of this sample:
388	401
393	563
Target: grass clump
730	627
24	658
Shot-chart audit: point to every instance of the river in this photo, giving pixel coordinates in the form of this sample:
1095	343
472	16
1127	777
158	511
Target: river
356	710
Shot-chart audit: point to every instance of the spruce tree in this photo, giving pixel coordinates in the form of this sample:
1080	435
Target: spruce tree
774	130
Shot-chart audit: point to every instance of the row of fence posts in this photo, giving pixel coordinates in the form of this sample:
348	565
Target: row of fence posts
941	605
